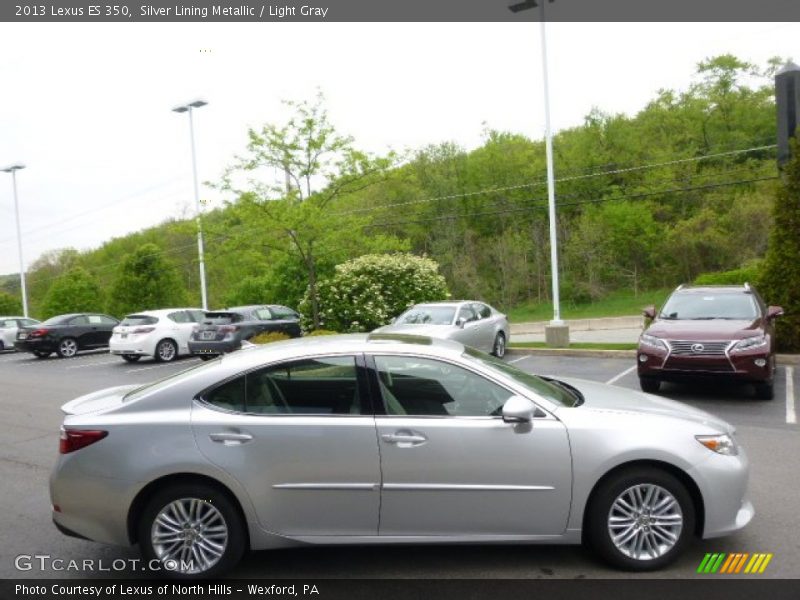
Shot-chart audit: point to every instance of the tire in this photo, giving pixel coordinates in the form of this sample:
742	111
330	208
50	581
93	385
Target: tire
765	390
224	529
67	347
166	351
205	357
2	346
499	347
648	547
131	358
41	354
649	385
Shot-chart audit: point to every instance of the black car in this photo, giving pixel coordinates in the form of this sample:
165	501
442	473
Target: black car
66	334
224	330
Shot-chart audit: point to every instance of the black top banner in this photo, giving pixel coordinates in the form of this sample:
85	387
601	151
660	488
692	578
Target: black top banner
173	11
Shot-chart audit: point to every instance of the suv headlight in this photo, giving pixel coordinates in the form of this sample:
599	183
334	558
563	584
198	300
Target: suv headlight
721	444
751	343
652	342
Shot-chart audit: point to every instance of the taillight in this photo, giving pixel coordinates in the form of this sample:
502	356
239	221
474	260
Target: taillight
143	330
228	328
75	439
38	333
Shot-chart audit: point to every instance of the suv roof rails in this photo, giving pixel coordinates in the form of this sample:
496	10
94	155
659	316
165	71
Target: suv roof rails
680	287
747	287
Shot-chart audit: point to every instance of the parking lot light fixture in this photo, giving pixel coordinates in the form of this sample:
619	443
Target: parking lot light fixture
188	108
13	170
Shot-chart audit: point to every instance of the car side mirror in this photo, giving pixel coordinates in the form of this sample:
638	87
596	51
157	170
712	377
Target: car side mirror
460	321
649	312
518	410
773	312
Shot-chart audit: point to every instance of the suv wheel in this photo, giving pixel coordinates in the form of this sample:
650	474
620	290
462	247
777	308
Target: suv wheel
649	385
765	390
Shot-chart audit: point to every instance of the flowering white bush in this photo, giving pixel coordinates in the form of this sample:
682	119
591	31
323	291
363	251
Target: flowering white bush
369	291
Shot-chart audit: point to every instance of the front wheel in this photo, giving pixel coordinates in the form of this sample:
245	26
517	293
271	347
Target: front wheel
193	530
649	385
765	390
67	348
499	348
641	519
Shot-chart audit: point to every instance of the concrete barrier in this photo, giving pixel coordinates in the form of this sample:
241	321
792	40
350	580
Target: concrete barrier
631	322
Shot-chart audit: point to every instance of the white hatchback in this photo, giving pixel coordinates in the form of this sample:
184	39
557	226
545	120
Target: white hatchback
162	334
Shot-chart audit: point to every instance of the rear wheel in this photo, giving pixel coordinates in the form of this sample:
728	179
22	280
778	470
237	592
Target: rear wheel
193	530
499	348
41	354
131	358
641	519
67	348
765	390
166	351
649	385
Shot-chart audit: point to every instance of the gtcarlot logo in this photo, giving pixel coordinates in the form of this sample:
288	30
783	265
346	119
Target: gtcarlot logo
735	563
46	562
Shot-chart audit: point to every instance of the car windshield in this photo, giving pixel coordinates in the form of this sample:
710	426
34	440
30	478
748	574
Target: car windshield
427	315
710	306
134	320
550	391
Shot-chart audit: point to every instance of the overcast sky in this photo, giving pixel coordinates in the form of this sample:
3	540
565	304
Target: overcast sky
87	106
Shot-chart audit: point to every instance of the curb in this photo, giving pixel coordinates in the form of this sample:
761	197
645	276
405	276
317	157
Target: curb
781	359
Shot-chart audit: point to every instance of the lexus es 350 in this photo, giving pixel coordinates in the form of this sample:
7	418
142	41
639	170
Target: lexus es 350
389	439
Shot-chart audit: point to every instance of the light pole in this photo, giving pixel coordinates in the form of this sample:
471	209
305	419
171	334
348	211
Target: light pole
13	170
557	334
181	109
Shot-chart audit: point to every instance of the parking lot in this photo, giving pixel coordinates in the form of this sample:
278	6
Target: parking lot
32	390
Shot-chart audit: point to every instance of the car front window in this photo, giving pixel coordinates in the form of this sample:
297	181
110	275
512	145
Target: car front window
427	315
710	306
545	389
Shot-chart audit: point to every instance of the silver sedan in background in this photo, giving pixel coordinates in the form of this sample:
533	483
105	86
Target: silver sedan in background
470	322
387	439
8	330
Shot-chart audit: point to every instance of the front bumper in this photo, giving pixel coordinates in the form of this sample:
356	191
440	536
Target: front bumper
753	366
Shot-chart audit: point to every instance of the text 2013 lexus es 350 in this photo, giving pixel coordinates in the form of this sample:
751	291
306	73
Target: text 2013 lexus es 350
387	439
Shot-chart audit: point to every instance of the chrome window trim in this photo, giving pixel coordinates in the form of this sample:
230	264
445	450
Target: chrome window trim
439	487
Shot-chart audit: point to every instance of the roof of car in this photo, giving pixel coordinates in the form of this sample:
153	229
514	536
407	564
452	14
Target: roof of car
705	289
160	312
344	344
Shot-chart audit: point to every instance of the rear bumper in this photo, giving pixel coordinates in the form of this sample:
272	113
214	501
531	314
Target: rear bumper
142	347
213	348
32	345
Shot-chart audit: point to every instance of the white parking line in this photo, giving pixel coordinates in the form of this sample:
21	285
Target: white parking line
92	364
791	415
616	378
516	360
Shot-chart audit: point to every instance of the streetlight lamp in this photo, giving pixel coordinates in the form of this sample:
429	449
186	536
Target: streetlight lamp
557	333
13	170
181	109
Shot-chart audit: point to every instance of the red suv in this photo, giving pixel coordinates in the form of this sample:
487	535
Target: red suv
712	332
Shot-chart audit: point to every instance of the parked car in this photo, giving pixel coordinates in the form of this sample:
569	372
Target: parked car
277	445
66	335
224	330
8	330
472	323
162	334
713	332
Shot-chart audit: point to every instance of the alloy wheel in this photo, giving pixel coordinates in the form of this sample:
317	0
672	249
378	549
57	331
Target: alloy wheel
68	348
189	536
166	351
645	522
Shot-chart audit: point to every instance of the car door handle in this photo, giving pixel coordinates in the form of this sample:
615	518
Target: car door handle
406	439
229	438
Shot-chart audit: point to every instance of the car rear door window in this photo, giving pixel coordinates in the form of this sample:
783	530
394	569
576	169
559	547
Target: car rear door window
228	396
264	314
422	387
317	386
81	320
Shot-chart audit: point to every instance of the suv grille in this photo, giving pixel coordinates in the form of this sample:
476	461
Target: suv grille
693	348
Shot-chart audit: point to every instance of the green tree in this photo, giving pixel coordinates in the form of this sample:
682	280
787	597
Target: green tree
9	305
76	291
779	283
146	281
369	291
299	216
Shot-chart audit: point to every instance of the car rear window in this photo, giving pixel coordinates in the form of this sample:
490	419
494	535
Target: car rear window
60	320
220	318
427	315
135	320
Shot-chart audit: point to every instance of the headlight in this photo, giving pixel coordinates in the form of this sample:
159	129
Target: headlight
721	444
652	342
751	343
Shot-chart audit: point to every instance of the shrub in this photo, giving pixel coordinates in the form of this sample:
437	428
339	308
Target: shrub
268	337
9	305
367	292
321	332
747	273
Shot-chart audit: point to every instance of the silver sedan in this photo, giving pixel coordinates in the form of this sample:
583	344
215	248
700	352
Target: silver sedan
470	322
277	446
8	330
